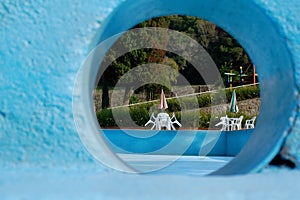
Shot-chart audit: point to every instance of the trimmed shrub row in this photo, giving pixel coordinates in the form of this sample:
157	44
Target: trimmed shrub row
140	114
137	116
206	100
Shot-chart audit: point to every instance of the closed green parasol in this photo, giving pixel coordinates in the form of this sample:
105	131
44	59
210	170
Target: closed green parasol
233	104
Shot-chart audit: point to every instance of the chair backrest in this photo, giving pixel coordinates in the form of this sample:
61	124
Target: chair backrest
163	119
240	119
250	123
229	120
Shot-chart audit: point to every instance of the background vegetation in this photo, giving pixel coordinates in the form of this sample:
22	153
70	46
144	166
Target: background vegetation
140	113
226	52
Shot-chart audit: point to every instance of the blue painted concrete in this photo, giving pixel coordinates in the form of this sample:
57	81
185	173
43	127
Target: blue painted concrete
261	36
43	46
222	143
236	140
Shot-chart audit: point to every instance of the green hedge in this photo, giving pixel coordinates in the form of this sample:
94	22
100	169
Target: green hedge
140	114
105	118
244	93
206	100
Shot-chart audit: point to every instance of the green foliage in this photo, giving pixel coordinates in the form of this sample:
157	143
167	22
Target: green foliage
134	99
224	50
204	121
204	100
138	114
189	118
188	103
173	105
244	93
218	98
105	118
141	114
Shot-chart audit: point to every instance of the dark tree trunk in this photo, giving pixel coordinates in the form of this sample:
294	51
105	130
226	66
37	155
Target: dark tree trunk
105	95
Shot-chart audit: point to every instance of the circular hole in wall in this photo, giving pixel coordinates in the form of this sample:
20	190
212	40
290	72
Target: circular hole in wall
260	38
182	83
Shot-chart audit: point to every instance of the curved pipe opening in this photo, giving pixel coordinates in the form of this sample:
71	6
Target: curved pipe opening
258	35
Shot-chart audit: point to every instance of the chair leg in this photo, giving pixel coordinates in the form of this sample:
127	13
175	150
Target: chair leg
172	126
153	127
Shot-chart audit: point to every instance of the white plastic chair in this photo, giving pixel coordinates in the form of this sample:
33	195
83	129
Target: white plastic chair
250	123
163	121
223	122
229	124
237	123
174	122
154	121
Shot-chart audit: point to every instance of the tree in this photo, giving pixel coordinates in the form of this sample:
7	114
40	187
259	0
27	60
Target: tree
223	49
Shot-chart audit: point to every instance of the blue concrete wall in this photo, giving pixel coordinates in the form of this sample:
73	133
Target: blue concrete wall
42	47
122	142
236	140
220	143
44	43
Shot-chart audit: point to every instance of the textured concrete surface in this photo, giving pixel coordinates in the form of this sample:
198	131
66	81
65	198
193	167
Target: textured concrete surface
42	47
86	184
44	43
